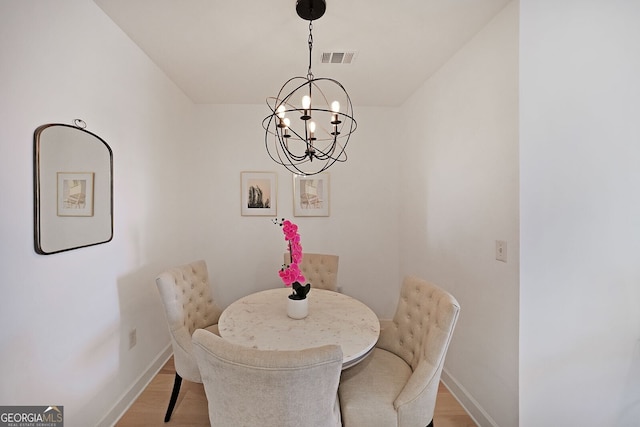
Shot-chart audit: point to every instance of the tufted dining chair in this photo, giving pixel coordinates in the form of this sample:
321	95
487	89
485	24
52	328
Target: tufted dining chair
321	270
397	385
268	388
188	304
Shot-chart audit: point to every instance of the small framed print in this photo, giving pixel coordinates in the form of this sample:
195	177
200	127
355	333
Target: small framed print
259	193
75	194
311	195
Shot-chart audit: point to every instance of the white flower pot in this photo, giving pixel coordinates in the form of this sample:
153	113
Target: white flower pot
297	308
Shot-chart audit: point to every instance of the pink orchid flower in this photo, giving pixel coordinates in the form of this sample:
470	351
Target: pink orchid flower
291	273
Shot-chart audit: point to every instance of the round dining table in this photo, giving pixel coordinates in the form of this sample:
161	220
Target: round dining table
260	321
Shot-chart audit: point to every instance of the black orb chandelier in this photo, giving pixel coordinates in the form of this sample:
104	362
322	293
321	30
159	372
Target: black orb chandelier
311	118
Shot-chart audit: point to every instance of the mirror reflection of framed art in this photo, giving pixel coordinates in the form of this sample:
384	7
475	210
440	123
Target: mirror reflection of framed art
311	195
75	194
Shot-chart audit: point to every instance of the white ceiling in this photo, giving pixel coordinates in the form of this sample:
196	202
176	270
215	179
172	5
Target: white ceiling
241	52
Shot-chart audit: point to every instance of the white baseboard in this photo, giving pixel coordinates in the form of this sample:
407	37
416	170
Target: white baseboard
130	396
473	408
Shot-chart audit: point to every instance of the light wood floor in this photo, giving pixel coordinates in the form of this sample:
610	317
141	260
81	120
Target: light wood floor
191	408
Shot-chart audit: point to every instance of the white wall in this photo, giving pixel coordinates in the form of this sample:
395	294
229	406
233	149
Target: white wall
460	195
177	198
362	227
65	335
66	317
580	221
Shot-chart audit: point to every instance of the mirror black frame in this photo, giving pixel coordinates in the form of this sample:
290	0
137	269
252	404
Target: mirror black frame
65	155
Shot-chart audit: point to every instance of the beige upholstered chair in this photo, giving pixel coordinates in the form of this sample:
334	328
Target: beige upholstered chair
250	387
189	306
321	270
396	386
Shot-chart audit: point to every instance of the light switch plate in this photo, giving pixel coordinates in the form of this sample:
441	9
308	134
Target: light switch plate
501	250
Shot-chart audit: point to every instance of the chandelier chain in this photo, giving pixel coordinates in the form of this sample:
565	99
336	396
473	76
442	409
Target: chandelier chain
309	73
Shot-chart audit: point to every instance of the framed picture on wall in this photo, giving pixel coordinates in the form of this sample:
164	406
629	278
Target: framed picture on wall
259	193
311	195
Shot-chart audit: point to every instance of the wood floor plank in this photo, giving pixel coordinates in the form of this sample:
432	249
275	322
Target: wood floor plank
191	408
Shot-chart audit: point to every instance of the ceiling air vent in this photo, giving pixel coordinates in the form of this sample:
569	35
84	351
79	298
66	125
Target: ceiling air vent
338	57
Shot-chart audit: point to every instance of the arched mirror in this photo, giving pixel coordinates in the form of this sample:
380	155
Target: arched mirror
73	188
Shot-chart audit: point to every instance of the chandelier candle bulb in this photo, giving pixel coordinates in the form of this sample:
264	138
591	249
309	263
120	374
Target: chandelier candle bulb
312	131
335	107
280	114
306	105
287	123
306	102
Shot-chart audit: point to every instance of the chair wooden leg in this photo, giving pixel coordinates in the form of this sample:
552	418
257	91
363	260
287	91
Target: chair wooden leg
430	424
174	397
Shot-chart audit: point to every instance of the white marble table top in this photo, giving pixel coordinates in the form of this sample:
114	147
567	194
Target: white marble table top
260	321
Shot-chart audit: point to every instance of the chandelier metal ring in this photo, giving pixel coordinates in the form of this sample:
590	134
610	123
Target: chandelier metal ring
311	118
